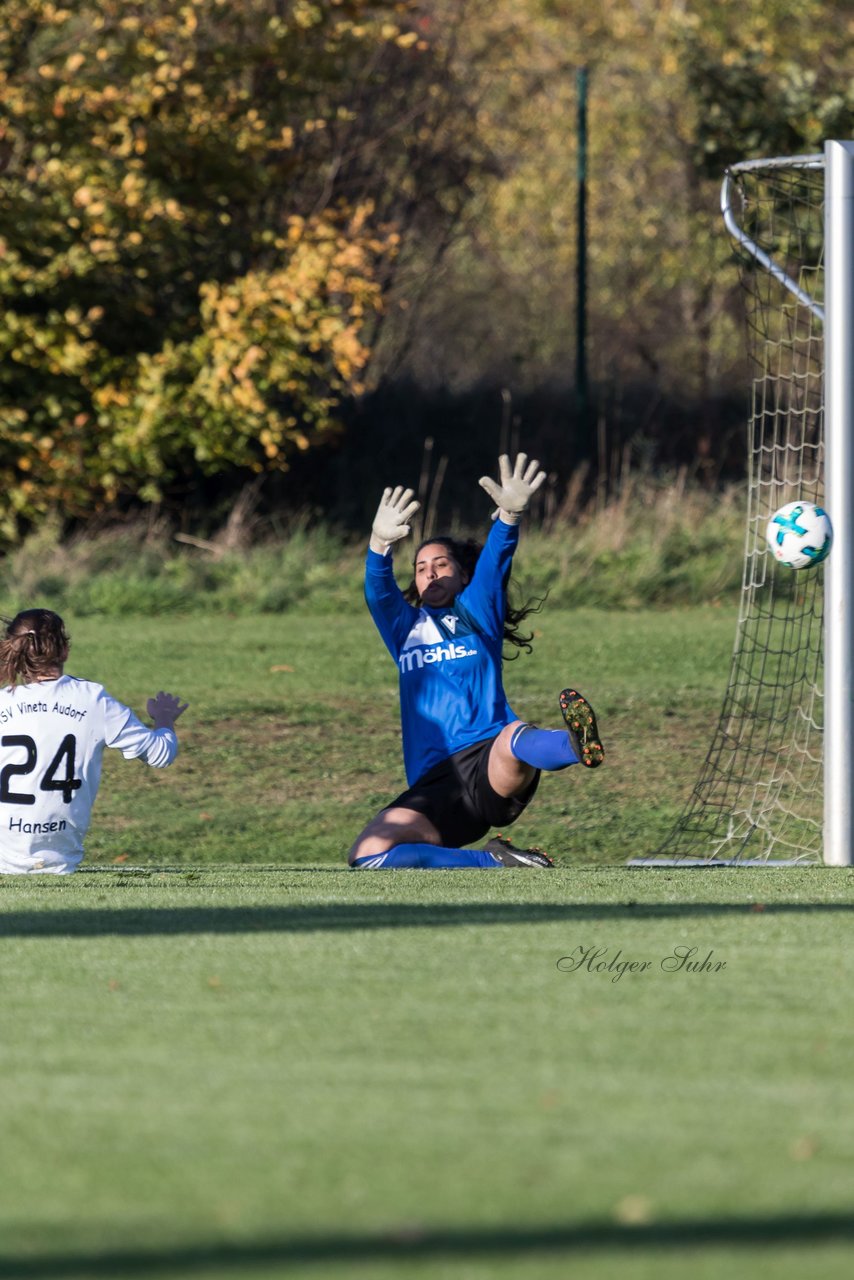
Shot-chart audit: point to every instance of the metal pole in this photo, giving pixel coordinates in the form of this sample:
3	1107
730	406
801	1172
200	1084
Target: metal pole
839	501
739	234
581	386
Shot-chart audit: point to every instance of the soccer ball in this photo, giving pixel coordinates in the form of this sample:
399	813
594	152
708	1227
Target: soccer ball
799	534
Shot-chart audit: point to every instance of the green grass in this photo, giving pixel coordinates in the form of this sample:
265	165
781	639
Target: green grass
225	1055
291	742
657	541
237	1072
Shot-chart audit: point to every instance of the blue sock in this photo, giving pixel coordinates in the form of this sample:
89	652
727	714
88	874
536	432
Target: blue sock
548	749
425	855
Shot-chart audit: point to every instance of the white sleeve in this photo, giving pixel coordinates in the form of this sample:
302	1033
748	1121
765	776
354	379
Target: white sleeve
122	729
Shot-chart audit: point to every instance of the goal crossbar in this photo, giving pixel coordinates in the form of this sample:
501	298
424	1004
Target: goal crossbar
756	251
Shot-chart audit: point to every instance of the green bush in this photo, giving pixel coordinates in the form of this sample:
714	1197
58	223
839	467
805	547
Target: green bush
657	545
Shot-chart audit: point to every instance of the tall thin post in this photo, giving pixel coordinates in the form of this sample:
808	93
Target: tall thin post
839	501
581	382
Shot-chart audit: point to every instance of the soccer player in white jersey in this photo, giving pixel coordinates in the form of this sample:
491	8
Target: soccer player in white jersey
471	763
53	730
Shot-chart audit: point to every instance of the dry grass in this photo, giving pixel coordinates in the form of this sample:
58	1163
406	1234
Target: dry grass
655	541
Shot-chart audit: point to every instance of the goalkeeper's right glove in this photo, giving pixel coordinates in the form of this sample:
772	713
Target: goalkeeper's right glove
391	521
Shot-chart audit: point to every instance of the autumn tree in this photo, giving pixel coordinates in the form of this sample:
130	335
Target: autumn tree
677	90
223	218
202	205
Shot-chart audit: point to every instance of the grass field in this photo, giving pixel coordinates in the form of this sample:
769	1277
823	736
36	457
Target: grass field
237	1072
292	741
225	1055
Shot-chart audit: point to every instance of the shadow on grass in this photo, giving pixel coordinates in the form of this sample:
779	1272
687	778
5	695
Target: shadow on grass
414	1245
335	917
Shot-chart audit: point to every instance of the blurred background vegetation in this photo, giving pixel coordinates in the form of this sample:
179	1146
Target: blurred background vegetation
259	258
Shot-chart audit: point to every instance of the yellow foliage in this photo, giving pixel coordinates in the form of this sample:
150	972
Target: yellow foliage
158	158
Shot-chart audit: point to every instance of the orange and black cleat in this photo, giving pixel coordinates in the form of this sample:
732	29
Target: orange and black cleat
582	728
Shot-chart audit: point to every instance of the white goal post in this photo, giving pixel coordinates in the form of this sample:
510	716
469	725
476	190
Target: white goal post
776	787
839	497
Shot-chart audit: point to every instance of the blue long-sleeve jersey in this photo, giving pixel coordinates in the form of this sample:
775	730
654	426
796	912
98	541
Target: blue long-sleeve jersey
449	659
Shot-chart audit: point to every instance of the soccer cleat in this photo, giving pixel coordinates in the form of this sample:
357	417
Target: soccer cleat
582	728
509	856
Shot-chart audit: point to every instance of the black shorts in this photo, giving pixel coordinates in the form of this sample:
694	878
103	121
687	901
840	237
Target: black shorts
457	797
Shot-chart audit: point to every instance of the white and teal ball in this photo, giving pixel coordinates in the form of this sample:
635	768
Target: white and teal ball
799	535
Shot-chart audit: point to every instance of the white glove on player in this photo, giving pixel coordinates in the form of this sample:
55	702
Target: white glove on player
516	489
391	523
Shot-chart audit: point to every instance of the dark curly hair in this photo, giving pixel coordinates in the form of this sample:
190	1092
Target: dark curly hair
466	553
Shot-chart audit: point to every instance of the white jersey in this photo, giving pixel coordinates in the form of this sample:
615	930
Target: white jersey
52	738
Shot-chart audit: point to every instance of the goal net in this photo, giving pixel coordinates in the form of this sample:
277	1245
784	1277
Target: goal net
759	796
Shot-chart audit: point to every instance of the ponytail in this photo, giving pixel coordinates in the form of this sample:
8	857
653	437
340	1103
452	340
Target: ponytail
33	647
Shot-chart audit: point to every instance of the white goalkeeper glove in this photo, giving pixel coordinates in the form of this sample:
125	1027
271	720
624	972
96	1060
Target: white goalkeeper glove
516	489
391	523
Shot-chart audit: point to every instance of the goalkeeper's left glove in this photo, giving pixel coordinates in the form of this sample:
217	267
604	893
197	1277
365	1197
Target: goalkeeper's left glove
516	489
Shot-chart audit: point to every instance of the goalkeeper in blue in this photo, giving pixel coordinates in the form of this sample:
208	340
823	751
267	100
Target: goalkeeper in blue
53	730
471	763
